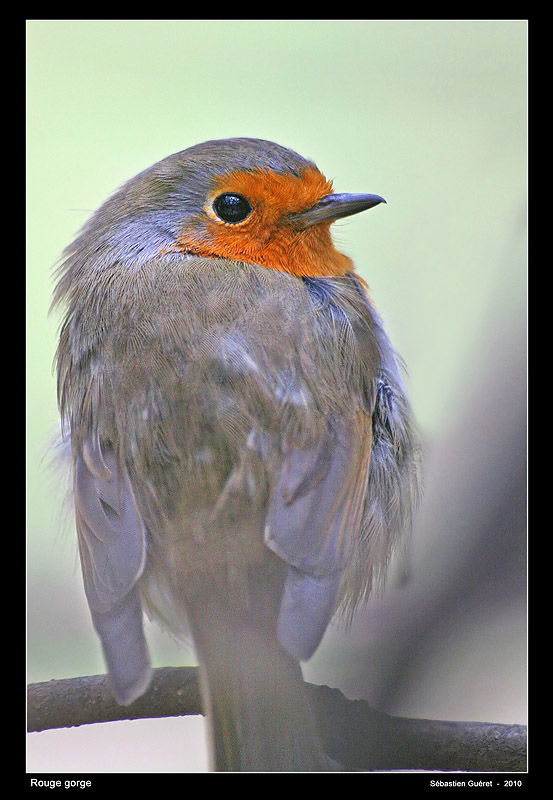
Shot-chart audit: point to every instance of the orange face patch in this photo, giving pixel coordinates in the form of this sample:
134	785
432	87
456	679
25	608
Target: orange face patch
268	236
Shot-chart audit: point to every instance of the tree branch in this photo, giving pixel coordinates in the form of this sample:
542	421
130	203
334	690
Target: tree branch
353	733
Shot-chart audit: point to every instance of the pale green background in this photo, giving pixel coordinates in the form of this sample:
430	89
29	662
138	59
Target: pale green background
429	114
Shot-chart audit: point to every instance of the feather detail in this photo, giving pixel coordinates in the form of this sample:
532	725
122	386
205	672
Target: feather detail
112	546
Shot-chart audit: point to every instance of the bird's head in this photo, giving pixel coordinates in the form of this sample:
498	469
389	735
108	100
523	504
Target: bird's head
242	199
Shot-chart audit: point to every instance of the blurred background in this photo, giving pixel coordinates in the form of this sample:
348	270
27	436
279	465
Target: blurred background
429	114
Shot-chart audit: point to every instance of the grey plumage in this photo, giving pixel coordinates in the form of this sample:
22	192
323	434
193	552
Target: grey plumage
242	441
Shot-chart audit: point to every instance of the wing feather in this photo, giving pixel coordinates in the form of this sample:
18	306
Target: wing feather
313	521
112	546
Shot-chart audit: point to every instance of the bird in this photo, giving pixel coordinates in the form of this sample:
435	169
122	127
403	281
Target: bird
244	452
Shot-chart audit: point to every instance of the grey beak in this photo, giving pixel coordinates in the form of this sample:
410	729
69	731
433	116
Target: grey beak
335	206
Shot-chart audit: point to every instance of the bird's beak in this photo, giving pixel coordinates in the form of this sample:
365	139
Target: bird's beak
334	206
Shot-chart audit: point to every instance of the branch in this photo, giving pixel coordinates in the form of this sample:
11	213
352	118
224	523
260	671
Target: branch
352	732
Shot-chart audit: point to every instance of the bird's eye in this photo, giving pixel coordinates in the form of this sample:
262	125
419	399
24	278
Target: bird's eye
232	208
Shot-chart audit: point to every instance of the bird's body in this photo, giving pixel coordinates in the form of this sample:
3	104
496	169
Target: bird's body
243	448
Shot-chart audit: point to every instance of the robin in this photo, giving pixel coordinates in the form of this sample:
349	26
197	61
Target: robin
242	445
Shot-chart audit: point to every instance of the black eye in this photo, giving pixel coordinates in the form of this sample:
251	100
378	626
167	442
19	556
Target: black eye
232	208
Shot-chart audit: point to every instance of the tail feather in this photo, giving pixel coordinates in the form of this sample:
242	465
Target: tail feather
256	701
